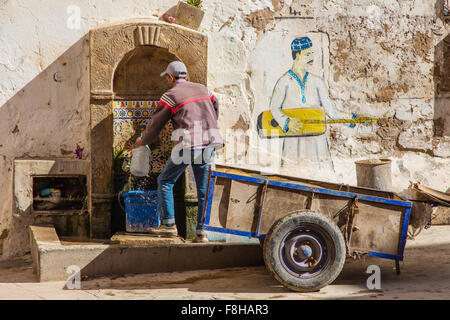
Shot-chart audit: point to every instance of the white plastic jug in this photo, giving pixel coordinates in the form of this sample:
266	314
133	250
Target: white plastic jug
140	161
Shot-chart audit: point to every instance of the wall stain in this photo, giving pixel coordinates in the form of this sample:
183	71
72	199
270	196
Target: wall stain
260	19
241	124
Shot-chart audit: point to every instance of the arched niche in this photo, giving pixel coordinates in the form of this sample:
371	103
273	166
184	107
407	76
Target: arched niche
110	44
138	74
137	88
115	54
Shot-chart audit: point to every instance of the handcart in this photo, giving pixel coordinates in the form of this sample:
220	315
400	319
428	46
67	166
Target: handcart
307	227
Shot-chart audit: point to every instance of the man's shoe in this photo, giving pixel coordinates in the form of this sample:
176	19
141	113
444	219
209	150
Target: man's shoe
164	230
201	239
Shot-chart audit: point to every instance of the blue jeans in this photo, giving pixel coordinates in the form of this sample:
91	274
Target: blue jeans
200	160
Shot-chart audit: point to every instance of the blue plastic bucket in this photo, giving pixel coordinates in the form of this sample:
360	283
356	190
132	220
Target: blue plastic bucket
141	210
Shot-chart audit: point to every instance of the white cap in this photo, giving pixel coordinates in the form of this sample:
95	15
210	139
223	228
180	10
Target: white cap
176	68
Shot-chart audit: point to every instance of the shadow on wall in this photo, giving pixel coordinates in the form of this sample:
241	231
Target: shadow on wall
47	118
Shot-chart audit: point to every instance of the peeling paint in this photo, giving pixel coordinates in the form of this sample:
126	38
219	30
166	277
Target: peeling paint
260	19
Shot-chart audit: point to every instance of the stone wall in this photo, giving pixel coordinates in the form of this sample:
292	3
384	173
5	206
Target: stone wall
380	61
384	59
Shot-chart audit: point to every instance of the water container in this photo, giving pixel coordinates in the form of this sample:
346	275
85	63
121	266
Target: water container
46	192
141	210
140	161
374	173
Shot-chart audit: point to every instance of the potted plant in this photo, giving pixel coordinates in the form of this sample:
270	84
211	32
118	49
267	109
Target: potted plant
189	13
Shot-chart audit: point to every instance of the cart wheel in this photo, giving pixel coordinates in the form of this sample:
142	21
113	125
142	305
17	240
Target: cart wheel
305	251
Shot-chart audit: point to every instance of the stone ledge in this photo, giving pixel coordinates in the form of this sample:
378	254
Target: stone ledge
45	235
142	239
52	260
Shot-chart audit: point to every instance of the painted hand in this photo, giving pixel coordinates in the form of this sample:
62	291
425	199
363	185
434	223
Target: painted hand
295	126
354	116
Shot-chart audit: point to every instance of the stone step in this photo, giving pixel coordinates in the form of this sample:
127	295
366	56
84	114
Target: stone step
142	239
56	260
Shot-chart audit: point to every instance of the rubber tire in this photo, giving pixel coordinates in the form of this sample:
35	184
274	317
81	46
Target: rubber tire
288	223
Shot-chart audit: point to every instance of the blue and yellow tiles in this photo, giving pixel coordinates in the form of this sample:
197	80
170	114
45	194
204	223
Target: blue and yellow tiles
130	118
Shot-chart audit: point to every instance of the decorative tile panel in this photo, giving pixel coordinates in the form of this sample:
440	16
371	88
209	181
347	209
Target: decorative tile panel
130	119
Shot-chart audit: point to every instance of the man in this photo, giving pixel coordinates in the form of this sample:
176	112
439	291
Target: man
194	112
298	88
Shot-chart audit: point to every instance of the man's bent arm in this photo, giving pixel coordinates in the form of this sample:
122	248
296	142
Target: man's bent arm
276	103
329	105
156	124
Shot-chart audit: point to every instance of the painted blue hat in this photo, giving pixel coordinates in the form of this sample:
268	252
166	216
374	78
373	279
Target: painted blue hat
299	44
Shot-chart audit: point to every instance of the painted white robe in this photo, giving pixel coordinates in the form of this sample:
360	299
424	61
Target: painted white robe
287	94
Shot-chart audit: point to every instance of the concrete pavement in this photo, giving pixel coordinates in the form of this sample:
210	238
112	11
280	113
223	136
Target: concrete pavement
425	274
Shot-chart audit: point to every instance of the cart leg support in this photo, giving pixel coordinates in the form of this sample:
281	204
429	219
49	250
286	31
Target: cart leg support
397	267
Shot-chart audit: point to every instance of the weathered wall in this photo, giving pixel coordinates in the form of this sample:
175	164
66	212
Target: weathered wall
376	57
44	89
380	62
46	118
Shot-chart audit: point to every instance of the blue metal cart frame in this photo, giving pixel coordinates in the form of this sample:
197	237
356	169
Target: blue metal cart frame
293	185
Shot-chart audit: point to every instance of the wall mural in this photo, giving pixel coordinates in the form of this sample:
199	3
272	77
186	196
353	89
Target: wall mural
130	119
300	109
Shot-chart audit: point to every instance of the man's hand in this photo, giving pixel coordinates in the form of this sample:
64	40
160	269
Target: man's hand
138	143
295	126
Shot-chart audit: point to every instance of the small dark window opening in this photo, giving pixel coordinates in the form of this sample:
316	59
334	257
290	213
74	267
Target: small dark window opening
59	193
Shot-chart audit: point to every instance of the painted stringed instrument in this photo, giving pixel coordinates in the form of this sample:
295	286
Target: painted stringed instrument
313	121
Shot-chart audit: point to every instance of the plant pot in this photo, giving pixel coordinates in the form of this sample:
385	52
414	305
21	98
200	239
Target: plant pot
188	16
